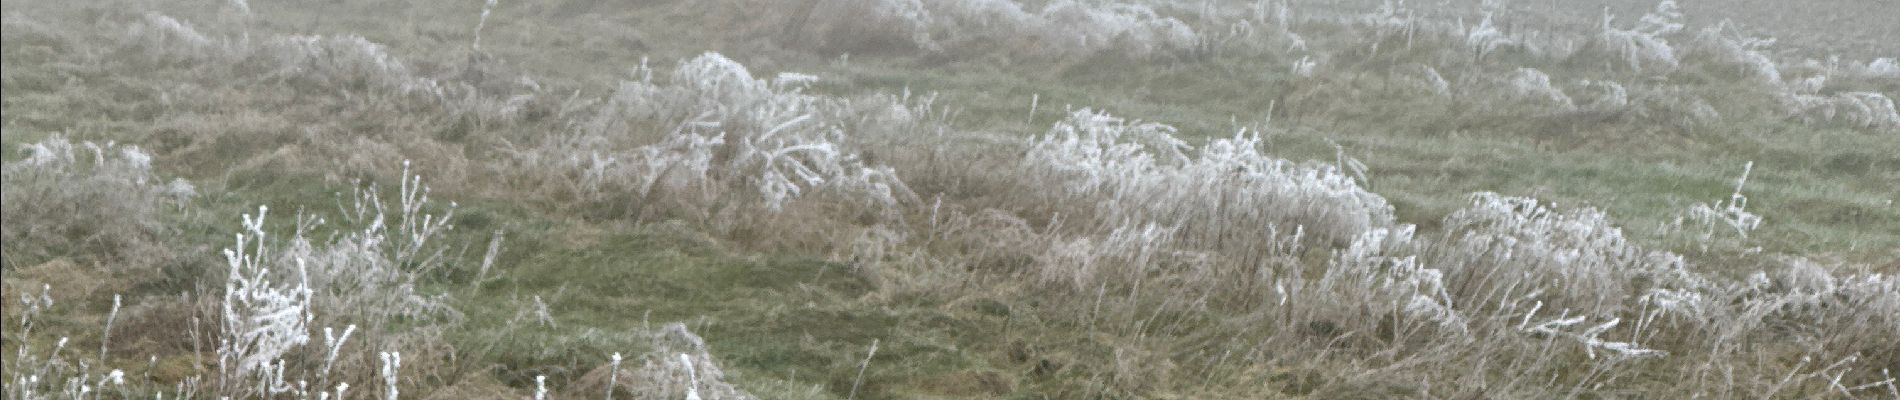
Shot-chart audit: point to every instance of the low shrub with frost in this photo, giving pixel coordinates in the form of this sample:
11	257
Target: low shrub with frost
1392	20
1224	194
346	61
63	194
1710	224
54	373
1886	67
1532	84
1425	78
1381	272
278	291
1062	28
714	133
1604	95
1577	259
679	365
1127	255
1486	38
321	63
1867	110
1723	43
368	274
1132	29
265	315
1591	338
1644	46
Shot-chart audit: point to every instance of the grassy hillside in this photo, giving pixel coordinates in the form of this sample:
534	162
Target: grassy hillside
949	199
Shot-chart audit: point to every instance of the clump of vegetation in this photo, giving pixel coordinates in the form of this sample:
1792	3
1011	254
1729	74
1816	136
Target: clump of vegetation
88	200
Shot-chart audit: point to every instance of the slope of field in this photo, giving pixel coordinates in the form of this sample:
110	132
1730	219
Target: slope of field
950	199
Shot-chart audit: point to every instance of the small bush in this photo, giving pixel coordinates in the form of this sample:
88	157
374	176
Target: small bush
105	199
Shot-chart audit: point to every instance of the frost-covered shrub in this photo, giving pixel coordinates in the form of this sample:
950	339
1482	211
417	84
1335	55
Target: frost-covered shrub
369	273
1709	224
1531	84
1604	96
265	314
1868	110
725	137
1486	38
1576	259
335	61
1643	47
1381	272
1072	26
1227	194
1886	67
316	63
1391	20
1064	28
1128	254
278	292
1724	44
680	365
1426	79
103	196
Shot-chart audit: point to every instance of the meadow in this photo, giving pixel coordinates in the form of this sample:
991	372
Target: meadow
843	199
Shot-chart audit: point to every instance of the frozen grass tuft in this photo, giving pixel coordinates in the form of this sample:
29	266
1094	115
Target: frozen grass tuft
1643	47
1531	84
679	365
63	194
1228	190
1061	29
715	134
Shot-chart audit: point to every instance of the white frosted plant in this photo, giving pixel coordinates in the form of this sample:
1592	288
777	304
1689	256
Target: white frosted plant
1304	67
342	61
1643	47
1591	338
349	62
278	290
264	317
1226	195
1127	255
680	365
1133	29
1575	259
368	274
1425	78
1605	95
1885	67
1063	28
733	137
1382	269
63	192
1532	84
1392	19
1709	220
1725	44
1867	110
1266	26
1486	38
1672	104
